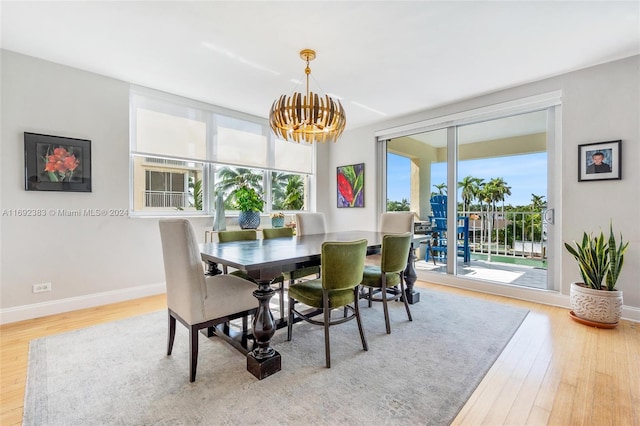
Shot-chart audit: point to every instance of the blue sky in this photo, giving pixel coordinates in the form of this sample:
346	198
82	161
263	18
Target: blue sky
525	174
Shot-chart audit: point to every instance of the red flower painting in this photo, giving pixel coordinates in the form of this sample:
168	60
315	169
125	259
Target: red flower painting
60	165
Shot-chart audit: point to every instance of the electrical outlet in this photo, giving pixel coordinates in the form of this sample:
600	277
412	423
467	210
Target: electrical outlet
39	288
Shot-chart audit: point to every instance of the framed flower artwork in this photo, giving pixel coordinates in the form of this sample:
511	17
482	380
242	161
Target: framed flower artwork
55	163
350	182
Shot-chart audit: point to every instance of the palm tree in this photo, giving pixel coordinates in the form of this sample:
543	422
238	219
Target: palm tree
294	194
442	189
500	190
537	202
484	196
231	178
279	182
470	186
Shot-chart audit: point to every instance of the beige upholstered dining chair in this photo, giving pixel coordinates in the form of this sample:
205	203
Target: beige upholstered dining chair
310	223
307	224
391	223
194	300
396	222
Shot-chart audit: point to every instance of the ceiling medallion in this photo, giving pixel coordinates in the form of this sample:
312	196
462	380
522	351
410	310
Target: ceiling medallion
310	118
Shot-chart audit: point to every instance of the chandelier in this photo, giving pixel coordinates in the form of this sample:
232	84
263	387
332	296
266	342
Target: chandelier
310	118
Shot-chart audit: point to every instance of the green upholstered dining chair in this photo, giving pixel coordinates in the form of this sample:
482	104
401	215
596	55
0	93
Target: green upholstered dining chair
248	235
342	266
395	251
237	235
241	235
194	300
291	276
268	233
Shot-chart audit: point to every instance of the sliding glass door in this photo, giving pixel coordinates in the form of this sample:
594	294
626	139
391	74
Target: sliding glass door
492	176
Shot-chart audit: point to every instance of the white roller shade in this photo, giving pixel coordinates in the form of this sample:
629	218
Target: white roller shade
293	156
169	135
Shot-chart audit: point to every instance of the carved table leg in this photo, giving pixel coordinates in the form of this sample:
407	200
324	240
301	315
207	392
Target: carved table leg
212	269
263	361
410	277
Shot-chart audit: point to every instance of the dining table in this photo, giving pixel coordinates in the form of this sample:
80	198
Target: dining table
266	260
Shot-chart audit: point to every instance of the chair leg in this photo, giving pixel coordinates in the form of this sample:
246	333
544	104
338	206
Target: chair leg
357	312
327	319
370	296
290	320
384	303
282	300
172	333
406	304
193	349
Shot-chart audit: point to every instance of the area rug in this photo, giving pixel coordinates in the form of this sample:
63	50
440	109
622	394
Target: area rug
422	373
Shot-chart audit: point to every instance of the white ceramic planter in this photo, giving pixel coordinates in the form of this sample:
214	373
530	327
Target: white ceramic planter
596	305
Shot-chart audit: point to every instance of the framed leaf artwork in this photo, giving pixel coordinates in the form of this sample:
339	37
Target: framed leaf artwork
350	183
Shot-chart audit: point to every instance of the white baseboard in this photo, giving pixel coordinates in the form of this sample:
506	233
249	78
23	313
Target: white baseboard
36	310
630	313
545	297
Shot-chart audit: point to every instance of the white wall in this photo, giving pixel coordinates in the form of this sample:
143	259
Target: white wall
80	256
598	104
95	260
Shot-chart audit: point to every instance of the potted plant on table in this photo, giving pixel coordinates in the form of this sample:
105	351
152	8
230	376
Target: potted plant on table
250	204
277	220
596	301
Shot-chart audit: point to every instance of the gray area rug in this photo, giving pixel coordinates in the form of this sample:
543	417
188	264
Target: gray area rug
422	373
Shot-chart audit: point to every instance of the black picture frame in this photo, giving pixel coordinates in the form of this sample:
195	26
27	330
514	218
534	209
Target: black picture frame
56	163
350	185
600	161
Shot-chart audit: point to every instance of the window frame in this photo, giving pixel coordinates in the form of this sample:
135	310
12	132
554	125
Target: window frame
149	99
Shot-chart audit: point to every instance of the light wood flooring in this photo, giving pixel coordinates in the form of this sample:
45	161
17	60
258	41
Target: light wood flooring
554	371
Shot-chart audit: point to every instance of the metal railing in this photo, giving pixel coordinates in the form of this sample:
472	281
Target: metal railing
172	199
513	234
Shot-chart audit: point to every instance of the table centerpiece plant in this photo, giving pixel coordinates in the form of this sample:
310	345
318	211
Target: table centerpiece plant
250	204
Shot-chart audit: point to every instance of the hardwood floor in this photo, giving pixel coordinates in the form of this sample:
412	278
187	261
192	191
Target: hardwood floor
554	371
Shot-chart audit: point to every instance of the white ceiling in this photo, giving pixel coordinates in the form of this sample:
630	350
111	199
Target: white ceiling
383	58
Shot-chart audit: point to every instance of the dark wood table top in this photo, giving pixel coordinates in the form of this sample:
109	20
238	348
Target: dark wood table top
266	259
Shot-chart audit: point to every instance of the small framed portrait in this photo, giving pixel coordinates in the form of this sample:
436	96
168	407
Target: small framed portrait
55	163
350	183
600	161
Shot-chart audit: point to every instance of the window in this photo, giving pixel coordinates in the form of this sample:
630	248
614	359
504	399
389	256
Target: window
288	191
183	152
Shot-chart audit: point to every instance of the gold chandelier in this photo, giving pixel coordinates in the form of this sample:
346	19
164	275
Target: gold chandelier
310	118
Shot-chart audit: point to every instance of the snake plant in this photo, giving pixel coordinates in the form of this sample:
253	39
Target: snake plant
616	258
600	260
